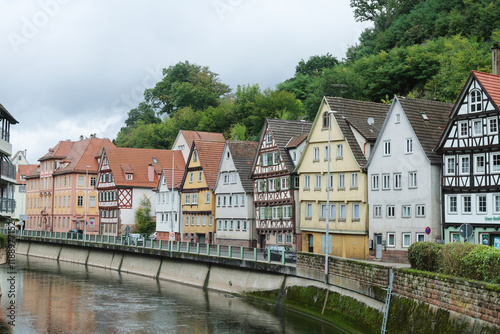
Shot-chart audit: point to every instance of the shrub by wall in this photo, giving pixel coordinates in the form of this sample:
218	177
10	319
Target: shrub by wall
424	256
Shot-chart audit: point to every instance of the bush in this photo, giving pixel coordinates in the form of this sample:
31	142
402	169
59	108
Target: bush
3	241
424	256
483	264
452	257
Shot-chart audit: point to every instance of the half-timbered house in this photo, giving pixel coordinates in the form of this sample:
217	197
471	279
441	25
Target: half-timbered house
275	183
234	211
470	149
125	176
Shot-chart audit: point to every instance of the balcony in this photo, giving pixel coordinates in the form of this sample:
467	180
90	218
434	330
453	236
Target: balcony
8	170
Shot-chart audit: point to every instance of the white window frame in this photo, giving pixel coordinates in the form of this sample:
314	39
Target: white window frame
463	129
356	211
317	182
406	211
496	203
495	168
452	198
478	168
397	181
393	243
390	211
420	210
450	166
466	204
342	212
340	151
308	210
477	127
377	211
492	125
341	181
354	180
375	182
187	199
481	204
200	176
315	153
412	180
475	101
387	148
418	236
386	181
307	182
408	145
404	240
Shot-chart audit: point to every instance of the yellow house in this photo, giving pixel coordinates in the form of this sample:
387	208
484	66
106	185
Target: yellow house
350	136
197	197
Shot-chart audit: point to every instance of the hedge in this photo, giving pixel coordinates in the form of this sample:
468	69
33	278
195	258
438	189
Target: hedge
465	260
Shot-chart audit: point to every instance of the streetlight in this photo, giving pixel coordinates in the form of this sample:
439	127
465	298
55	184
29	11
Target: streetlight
86	204
329	184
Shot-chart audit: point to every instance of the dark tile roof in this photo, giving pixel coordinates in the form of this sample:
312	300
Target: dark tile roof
365	117
296	141
7	115
428	131
285	130
243	153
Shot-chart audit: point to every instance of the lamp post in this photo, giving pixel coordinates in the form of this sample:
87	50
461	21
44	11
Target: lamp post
86	203
329	184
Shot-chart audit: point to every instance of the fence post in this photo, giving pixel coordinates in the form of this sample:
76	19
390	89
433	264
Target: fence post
208	249
218	250
242	253
197	248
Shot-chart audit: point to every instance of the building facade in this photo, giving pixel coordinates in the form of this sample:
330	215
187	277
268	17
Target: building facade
23	168
234	213
470	149
61	193
197	196
404	178
275	185
7	169
348	129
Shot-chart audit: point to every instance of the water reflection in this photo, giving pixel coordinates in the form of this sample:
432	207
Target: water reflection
62	297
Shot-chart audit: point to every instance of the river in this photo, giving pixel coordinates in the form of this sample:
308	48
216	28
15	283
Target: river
47	296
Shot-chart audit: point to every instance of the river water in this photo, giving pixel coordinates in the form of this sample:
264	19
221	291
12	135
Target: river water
47	296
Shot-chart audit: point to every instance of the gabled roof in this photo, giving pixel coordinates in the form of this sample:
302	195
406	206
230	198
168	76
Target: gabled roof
178	175
137	161
491	86
283	132
209	154
24	170
296	141
428	130
243	153
60	151
5	114
191	136
365	117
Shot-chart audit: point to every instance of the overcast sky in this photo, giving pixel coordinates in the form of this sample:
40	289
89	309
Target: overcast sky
75	67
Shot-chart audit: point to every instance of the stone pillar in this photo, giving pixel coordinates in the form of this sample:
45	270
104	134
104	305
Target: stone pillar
495	66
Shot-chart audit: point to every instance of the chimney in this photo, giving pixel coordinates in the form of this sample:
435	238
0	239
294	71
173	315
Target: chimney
495	67
151	173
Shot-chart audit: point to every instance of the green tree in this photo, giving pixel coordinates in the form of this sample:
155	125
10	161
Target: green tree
315	65
186	85
144	221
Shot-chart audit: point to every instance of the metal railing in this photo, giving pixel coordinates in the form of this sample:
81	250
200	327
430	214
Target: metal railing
8	170
232	252
7	205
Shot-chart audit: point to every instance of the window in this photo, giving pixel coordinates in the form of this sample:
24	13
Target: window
276	158
190	177
187	199
272	185
326	120
316	154
333	213
219	225
479	164
279	238
340	151
452	204
200	173
420	210
265	160
329	182
391	211
231	225
308	210
225	225
342	213
210	220
79	201
234	178
323	211
409	145
406	211
186	221
284	183
269	137
354	180
386	181
275	212
317	184
391	239
375	182
341	181
463	129
495	162
481	204
406	239
464	165
287	212
377	211
207	198
413	179
80	181
475	101
288	238
466	204
355	211
242	200
327	154
477	127
420	237
492	125
91	201
397	181
397	118
197	220
387	147
194	199
307	181
450	165
496	204
195	156
93	181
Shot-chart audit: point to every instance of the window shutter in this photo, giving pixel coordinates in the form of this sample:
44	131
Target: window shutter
278	154
278	184
280	212
291	211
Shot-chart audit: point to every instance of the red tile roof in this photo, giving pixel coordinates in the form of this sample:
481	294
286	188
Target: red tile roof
209	153
137	161
24	170
491	83
191	136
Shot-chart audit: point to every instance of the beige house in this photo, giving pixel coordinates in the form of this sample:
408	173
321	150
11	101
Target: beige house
354	129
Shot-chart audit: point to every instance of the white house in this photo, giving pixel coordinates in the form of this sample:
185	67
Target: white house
233	191
404	175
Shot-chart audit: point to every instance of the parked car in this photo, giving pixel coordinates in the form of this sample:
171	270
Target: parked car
75	234
276	252
153	236
137	239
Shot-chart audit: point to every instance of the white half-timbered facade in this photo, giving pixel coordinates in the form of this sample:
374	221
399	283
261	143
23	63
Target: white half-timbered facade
275	184
471	162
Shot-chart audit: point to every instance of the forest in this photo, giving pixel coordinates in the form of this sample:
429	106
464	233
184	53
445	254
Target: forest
415	48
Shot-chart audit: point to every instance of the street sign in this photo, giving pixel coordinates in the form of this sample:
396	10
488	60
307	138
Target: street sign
428	230
171	236
127	229
466	231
